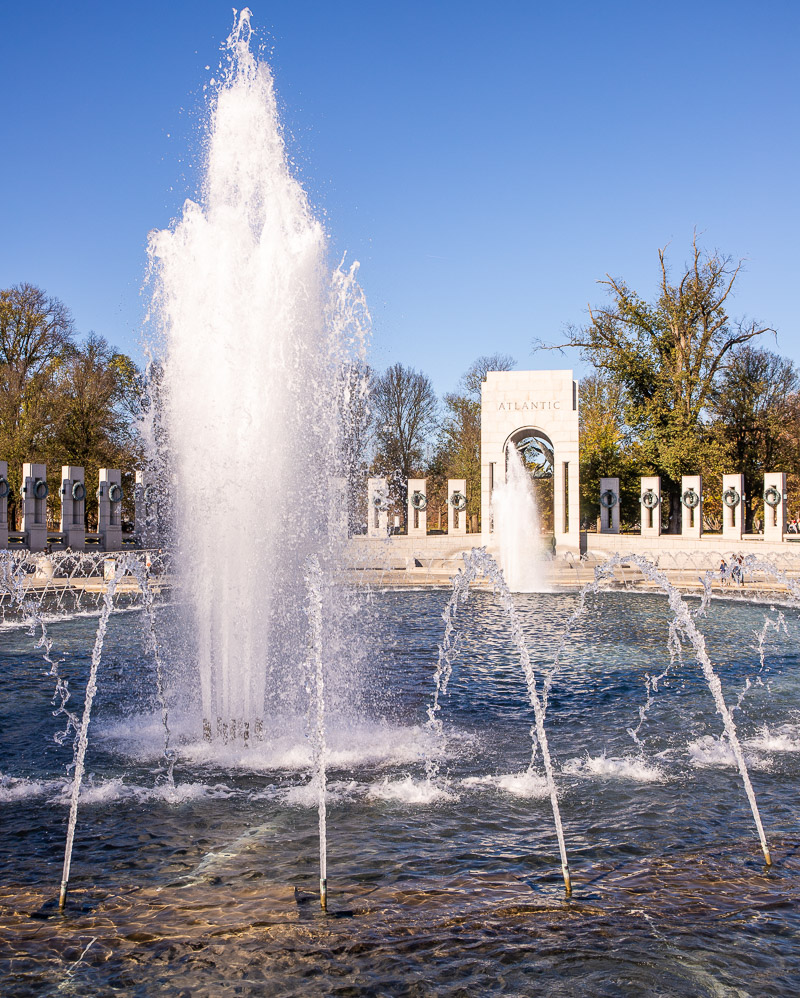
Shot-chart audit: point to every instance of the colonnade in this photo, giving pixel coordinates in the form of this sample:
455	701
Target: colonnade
416	508
692	500
72	533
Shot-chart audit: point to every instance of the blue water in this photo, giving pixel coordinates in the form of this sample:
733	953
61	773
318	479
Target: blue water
208	889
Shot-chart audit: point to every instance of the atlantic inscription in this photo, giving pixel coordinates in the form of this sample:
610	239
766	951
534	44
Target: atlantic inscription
526	406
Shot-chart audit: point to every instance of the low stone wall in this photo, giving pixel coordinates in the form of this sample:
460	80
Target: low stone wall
438	556
675	550
403	552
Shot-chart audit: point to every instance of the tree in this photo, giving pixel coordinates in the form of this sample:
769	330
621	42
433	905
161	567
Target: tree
472	379
754	405
99	395
667	355
35	331
405	410
459	451
459	454
61	403
607	447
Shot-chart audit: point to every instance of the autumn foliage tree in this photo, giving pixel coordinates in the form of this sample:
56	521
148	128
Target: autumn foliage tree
607	447
755	411
667	355
61	401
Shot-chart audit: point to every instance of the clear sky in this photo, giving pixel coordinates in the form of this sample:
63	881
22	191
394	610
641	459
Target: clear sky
486	164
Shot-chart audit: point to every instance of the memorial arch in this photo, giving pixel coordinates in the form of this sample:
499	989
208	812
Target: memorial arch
536	411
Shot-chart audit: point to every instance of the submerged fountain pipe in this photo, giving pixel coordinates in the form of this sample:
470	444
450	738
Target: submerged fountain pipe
686	624
83	734
479	562
317	715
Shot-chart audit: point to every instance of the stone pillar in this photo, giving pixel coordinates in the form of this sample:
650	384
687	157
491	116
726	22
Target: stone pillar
378	507
566	503
146	511
142	505
732	507
559	499
609	505
34	505
692	502
73	507
456	506
775	500
109	509
651	506
417	507
573	476
337	509
5	490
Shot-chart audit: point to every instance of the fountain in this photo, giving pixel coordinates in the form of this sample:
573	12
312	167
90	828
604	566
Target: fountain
517	528
251	721
260	339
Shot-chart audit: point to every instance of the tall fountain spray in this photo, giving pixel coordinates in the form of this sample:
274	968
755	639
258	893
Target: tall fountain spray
517	529
261	339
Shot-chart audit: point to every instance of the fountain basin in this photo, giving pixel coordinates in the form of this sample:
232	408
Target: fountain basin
214	881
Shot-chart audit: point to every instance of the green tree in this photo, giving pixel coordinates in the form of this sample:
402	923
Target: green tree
667	355
607	447
754	406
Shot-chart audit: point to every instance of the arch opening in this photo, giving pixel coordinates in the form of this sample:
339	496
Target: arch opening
537	452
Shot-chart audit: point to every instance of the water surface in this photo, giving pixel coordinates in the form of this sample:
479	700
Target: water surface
208	888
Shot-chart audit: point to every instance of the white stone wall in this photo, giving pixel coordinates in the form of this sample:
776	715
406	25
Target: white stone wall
677	551
543	401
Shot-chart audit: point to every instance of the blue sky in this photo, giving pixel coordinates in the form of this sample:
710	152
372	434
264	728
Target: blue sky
486	164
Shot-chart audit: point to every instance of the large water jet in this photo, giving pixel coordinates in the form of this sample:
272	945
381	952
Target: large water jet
517	535
260	339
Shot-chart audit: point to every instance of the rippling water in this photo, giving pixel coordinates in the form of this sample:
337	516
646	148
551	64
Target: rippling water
207	888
